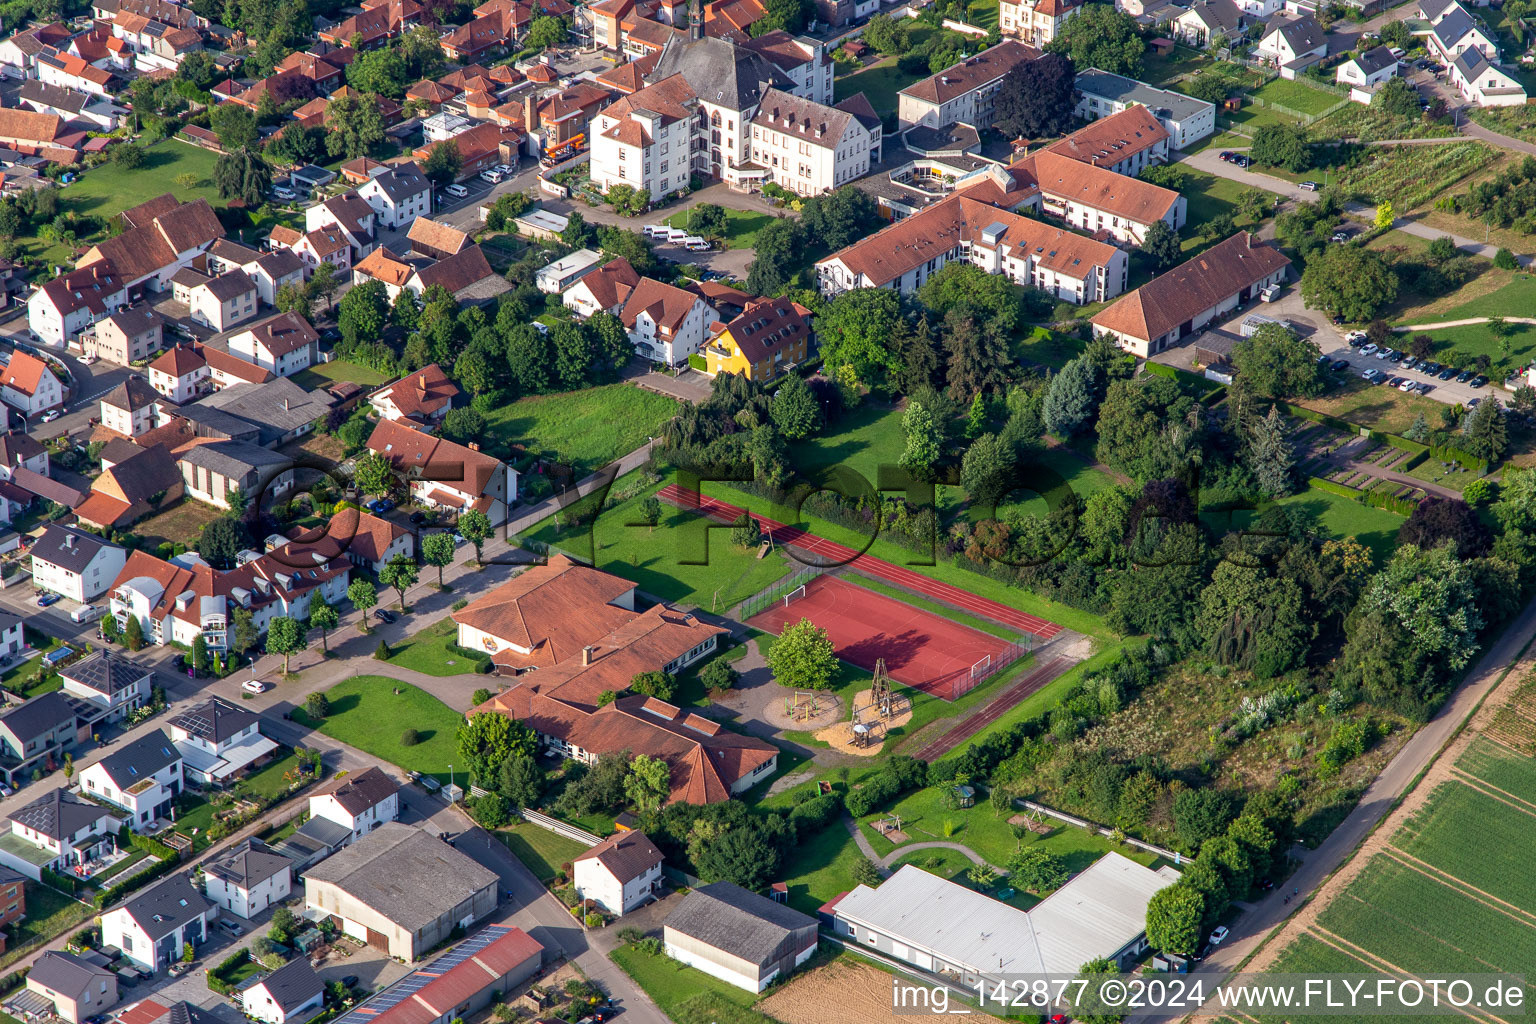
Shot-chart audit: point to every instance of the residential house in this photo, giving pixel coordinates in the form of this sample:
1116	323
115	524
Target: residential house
29	386
483	36
351	214
13	899
74	563
20	51
565	116
665	323
323	245
1068	266
398	195
436	240
810	148
274	270
282	345
162	237
645	140
359	888
580	629
1181	301
84	107
965	92
142	778
771	336
1483	83
447	475
1036	22
187	372
292	994
11	639
480	147
57	831
467	276
365	540
71	302
125	336
422	397
379	21
110	681
129	408
603	290
126	491
223	301
247	879
34	733
1127	142
1293	42
953	930
1207	22
359	802
1097	200
218	742
1457	30
1365	71
280	410
1185	119
66	71
76	988
737	936
154	927
619	874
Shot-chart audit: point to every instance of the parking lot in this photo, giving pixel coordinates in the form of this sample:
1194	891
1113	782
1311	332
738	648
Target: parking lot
1438	383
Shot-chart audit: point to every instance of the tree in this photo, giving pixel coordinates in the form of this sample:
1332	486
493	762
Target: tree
1505	260
324	617
293	298
1436	520
1072	397
521	781
795	411
129	156
1276	363
802	657
1485	433
373	473
1253	620
776	254
1037	97
1397	97
1384	214
745	533
235	126
284	637
650	511
887	35
709	220
986	470
463	425
1101	37
199	655
656	683
316	705
576	232
1220	226
1173	920
110	630
443	163
221	540
362	313
491	811
745	854
923	441
1270	455
363	597
718	675
355	124
545	32
1037	870
839	218
400	572
475	527
1281	145
855	329
789	15
323	283
133	634
978	355
648	783
381	71
1350	280
487	739
245	631
437	549
242	174
1161	244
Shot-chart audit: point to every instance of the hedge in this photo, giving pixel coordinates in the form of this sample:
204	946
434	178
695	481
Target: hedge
1318	417
1461	458
899	775
815	813
1383	500
215	977
696	361
152	846
1320	484
13	980
482	660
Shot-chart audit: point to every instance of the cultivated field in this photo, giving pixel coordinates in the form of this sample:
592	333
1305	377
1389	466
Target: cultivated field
861	994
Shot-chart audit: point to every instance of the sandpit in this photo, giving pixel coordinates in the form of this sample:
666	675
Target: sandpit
780	710
840	735
861	994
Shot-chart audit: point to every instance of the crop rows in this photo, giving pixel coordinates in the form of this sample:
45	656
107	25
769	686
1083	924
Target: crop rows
1499	860
1308	955
1410	176
1499	767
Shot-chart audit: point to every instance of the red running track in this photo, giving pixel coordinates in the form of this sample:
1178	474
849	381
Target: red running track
994	709
922	650
868	564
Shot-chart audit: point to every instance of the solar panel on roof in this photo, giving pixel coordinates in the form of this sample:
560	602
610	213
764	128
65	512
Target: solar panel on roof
423	976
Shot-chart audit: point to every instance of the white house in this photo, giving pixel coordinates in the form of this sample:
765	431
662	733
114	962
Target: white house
74	563
67	305
619	874
223	301
666	324
567	270
29	386
358	802
1207	21
398	195
1364	72
142	778
964	93
1097	200
110	681
218	741
1457	31
248	878
282	345
292	994
1185	119
155	926
446	475
738	936
1293	43
604	290
1036	22
810	148
58	831
77	988
129	408
1483	83
424	397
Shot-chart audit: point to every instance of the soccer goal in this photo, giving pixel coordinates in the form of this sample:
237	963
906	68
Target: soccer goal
794	595
981	666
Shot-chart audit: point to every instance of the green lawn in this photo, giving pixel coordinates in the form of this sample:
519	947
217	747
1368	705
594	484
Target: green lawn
49	913
863	440
1475	340
427	651
982	14
1337	515
880	82
588	428
321	374
1208	196
1517	298
1180	61
368	714
741	226
268	780
1297	95
541	850
658	560
671	984
1048	348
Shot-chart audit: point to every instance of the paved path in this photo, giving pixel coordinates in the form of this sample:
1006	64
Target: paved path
1252	927
798	537
1466	322
938	844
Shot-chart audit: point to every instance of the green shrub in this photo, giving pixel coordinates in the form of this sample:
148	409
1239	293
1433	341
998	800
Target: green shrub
409	738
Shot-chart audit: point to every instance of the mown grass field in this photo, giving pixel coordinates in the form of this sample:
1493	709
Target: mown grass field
427	651
741	226
880	82
1297	96
368	714
1336	515
587	428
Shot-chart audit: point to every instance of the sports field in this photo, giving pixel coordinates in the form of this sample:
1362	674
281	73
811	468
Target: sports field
920	649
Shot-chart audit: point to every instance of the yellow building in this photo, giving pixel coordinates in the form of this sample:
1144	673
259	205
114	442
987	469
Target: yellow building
768	338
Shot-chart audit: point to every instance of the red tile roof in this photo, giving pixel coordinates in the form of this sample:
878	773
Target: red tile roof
23	373
666	304
1109	140
420	395
972	73
422	456
551	611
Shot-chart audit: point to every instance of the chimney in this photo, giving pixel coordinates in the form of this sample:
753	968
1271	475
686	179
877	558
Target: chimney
421	381
69	541
586	656
285	405
530	112
474	446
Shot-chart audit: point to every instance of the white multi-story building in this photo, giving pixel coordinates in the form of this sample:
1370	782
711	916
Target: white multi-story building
810	148
28	385
142	778
1097	200
74	563
110	681
155	926
59	310
358	802
218	741
249	878
620	874
398	196
1035	22
1185	119
129	408
282	345
447	475
645	140
965	93
58	831
666	324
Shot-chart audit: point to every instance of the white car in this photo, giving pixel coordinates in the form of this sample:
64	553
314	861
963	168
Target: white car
1368	350
457	191
50	415
1408	385
255	686
503	169
89	358
1219	935
1356	336
285	194
491	175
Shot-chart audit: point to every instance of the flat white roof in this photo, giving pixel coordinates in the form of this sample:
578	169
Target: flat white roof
578	260
543	219
1095	914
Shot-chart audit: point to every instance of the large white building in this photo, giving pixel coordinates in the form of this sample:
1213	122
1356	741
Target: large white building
666	324
619	874
74	563
1036	22
810	148
398	196
965	93
1185	119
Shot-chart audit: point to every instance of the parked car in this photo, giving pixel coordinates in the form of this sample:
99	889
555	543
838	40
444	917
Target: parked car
1430	368
350	981
1396	382
1425	389
284	193
44	600
255	686
1464	376
1479	381
1370	375
1408	385
51	415
1340	364
457	191
1241	160
1309	186
1409	362
1368	349
1383	353
1219	935
229	926
1341	236
418	517
491	175
1227	155
379	506
384	615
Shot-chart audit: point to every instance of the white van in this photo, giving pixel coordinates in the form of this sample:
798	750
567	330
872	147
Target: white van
656	232
85	613
695	243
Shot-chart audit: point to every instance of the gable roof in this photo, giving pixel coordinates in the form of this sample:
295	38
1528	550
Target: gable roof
626	855
215	720
1109	140
434	990
465	271
23	373
1099	187
94	287
437	235
166	907
248	864
41	714
768	326
350	532
283	333
413	452
727	917
1302	33
140	759
293	984
406	875
151	247
611	283
132	394
809	122
666	304
550	610
401	182
59	814
421	394
1376	59
67	974
972	73
357	792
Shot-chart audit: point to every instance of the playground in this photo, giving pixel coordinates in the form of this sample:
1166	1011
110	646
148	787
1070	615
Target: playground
918	648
